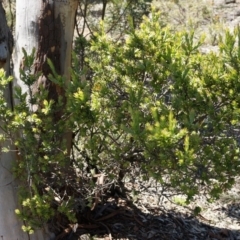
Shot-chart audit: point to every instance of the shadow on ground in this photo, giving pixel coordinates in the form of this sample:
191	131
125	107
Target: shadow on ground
233	210
122	220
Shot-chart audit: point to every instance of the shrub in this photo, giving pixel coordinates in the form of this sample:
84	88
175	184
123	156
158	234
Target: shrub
168	107
152	101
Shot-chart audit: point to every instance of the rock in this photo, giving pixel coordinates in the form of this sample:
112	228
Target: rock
237	13
85	237
230	1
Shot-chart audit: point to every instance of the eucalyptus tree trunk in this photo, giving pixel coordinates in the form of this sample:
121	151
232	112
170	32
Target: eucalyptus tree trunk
48	27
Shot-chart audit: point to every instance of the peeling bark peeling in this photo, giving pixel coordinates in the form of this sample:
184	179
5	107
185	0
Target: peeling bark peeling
56	25
55	36
48	48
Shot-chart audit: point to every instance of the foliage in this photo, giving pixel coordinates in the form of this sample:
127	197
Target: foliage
37	140
152	101
181	201
175	109
118	16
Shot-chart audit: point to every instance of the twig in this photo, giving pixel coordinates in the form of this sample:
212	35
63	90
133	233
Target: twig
109	215
109	233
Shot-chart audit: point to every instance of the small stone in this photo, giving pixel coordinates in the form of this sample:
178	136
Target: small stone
84	237
225	232
237	13
230	1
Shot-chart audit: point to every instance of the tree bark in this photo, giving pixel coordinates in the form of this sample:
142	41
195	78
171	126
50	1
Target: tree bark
47	26
36	21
